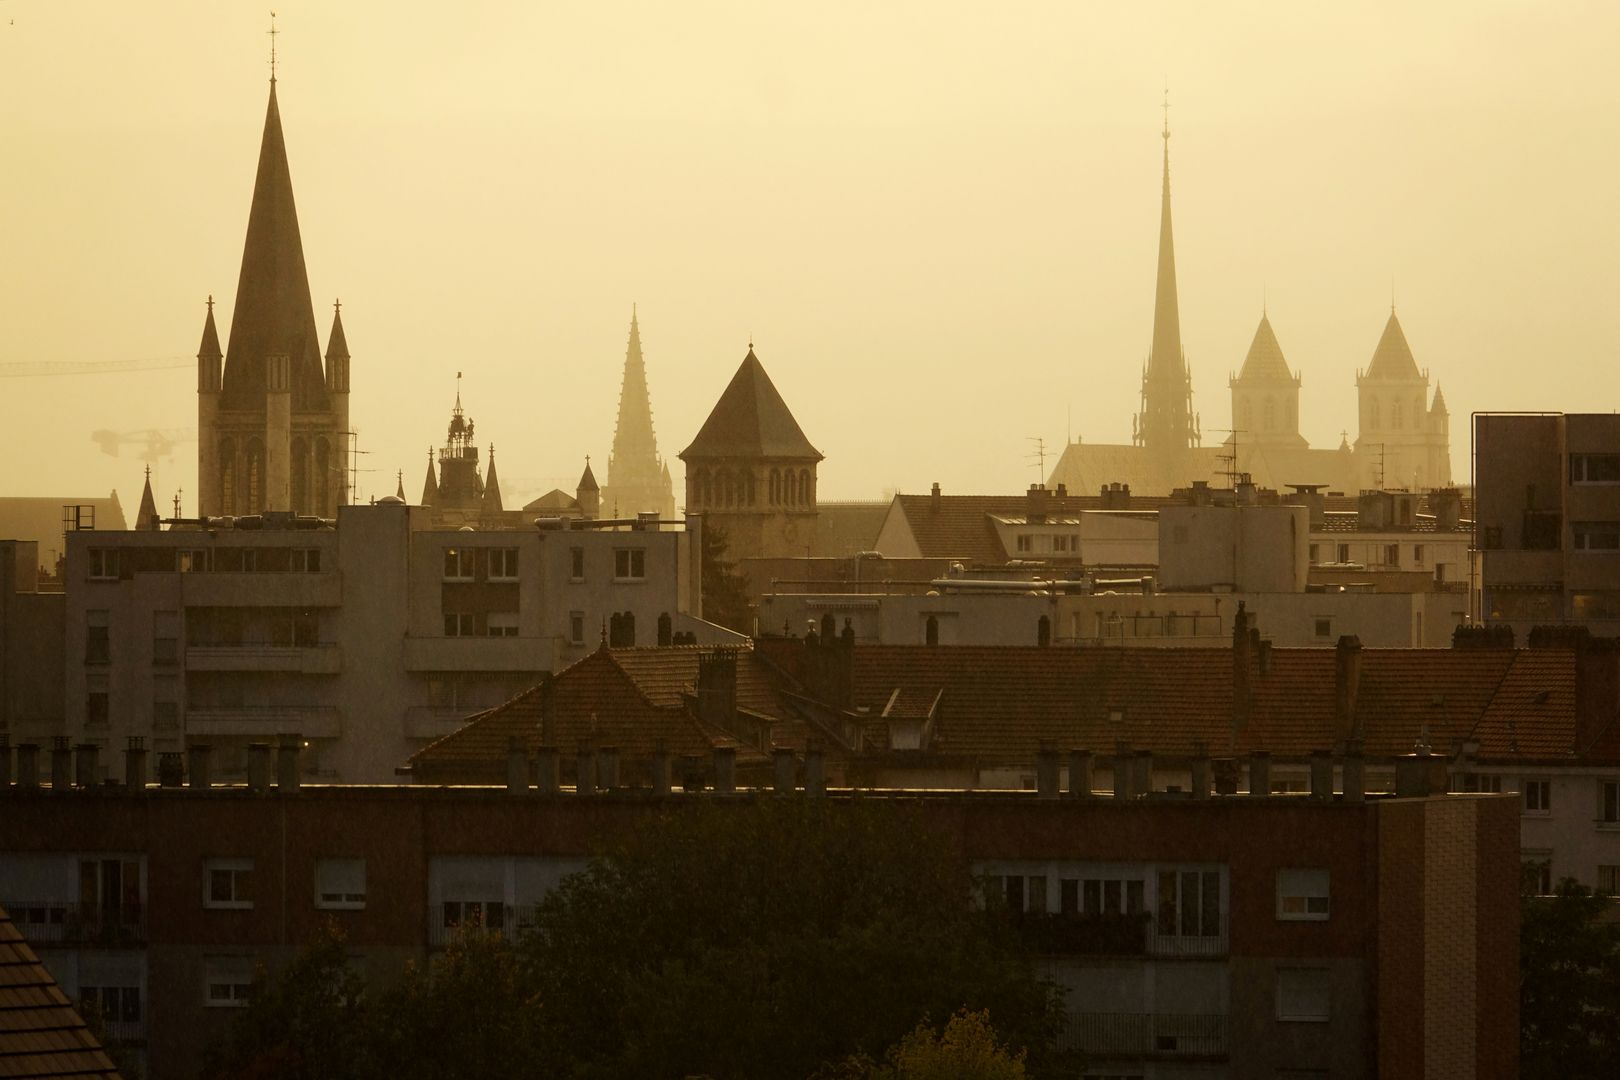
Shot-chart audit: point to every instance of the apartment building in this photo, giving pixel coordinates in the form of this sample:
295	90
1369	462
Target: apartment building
1198	935
368	637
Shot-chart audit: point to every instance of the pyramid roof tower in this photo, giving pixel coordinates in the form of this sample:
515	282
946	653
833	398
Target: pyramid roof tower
1393	357
147	517
587	479
492	488
1265	359
273	315
751	421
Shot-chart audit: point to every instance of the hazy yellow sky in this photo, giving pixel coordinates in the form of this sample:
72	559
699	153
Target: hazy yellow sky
937	220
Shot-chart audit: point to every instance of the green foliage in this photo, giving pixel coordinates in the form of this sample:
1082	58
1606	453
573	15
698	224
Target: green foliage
725	590
966	1050
304	1021
764	940
1569	984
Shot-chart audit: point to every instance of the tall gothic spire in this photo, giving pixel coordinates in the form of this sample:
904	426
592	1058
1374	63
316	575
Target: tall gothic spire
273	314
1166	421
635	448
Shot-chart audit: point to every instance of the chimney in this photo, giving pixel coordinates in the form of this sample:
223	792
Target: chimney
171	768
1355	772
258	770
584	771
1263	654
725	769
1260	774
1242	659
1122	770
1417	776
607	768
88	764
1080	774
135	763
288	777
517	766
1046	772
1597	690
934	499
61	763
1346	687
717	687
1142	773
1035	505
1063	491
1310	496
784	769
1200	770
1446	503
28	765
1375	510
548	770
661	770
1322	775
815	771
197	755
5	762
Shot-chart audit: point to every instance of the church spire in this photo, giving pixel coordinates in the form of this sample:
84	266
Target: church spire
1166	421
430	486
635	481
273	314
147	518
491	505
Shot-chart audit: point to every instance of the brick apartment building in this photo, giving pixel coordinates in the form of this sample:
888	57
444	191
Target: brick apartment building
1285	935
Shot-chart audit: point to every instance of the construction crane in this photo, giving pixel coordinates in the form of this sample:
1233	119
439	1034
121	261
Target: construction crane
156	444
95	367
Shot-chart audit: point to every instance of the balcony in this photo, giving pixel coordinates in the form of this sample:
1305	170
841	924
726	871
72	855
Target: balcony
1143	1035
53	922
262	589
266	721
292	659
124	1031
459	918
1118	935
493	654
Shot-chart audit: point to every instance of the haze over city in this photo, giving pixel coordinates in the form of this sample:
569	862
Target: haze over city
937	224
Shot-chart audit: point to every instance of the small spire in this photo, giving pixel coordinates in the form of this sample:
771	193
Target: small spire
399	492
273	33
1166	108
147	517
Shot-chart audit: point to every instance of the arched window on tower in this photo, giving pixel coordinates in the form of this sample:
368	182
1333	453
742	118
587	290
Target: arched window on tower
776	486
325	477
1395	417
748	484
1375	418
255	478
227	476
1248	415
806	495
300	476
1270	414
700	487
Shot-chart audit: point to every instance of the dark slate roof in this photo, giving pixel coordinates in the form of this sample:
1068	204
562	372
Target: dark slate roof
1265	359
1392	359
41	1034
750	421
961	528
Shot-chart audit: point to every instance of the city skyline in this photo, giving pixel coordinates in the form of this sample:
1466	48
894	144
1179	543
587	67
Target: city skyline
921	262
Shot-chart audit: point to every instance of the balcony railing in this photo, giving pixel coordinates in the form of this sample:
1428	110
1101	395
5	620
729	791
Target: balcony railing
453	919
1145	1034
289	659
1119	935
52	922
1211	940
321	721
124	1031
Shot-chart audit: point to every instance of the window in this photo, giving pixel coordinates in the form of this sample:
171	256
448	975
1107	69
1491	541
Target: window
503	564
340	884
1608	880
97	638
165	702
191	561
630	564
1303	994
1302	894
458	564
1060	543
1189	903
1023	894
1594	468
97	708
1477	782
113	1004
227	883
1315	554
1609	802
459	624
104	564
1417	554
306	560
488	914
502	624
576	564
165	637
1537	871
1102	896
1025	542
1342	552
228	981
1596	535
1538	796
576	627
1392	554
1324	628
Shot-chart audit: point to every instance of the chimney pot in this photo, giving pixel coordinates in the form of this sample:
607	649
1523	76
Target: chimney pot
258	770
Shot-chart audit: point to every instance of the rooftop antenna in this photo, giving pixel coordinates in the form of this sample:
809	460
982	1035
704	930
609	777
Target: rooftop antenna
1231	471
273	32
1039	456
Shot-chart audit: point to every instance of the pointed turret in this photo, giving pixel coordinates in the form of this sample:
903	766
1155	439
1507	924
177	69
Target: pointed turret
399	491
146	519
430	486
337	345
1439	406
208	354
1393	357
273	314
491	504
1166	420
587	479
587	494
751	420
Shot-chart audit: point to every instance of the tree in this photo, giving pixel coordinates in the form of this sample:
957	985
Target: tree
725	590
305	1022
768	939
965	1050
1569	984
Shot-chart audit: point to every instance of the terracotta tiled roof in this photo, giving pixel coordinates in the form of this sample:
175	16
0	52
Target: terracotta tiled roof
1532	714
41	1035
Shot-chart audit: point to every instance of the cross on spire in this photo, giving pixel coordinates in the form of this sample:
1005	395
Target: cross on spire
273	32
210	303
1166	108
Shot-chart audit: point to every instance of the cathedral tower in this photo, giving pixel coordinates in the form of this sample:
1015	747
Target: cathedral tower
752	472
1404	441
1265	396
272	421
1166	426
637	478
